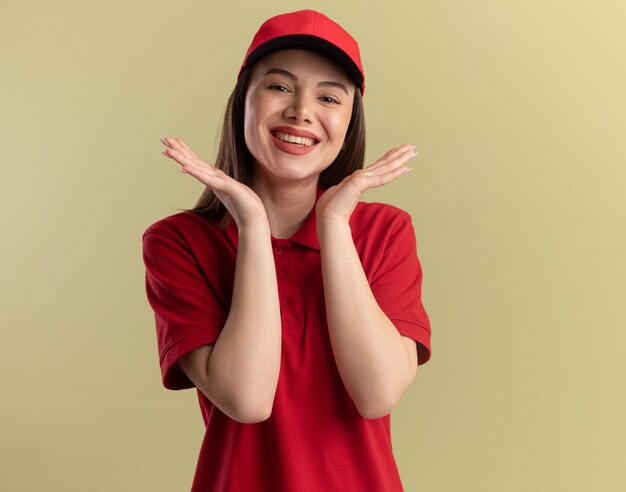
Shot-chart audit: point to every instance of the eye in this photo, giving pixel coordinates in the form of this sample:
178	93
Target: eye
277	85
283	88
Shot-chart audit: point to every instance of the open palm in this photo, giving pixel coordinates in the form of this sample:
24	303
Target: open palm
240	200
339	201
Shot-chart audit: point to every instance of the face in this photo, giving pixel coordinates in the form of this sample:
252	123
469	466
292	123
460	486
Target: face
295	92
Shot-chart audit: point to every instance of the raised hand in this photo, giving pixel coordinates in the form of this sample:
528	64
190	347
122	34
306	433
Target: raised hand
338	202
241	201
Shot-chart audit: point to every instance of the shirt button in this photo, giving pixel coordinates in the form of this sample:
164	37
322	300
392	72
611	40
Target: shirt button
281	274
278	251
286	302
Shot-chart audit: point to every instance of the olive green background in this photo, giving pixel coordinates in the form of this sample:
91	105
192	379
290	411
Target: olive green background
518	198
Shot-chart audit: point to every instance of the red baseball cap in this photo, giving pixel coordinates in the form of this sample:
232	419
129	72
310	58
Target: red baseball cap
307	29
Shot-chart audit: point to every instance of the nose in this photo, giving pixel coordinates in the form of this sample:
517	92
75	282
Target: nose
300	108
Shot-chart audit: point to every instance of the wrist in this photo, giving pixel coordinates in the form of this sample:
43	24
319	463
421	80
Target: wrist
332	226
260	223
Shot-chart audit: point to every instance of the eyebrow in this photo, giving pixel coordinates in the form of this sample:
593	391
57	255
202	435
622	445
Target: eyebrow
326	83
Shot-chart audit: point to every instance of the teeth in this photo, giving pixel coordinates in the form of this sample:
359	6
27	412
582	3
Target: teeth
307	142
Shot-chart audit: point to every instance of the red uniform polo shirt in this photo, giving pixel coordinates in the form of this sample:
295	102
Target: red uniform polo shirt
315	440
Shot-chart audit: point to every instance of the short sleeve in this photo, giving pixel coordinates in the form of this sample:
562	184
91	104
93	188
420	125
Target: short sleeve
186	311
397	285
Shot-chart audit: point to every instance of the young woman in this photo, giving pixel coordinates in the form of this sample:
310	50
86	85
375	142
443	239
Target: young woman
292	307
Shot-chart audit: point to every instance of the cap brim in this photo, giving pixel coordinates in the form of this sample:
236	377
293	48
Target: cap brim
313	43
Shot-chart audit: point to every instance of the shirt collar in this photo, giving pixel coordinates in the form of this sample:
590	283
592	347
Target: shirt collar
306	235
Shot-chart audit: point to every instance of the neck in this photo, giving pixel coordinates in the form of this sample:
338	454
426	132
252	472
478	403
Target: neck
286	206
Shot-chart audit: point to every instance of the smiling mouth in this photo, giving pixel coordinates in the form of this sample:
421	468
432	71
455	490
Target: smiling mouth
291	139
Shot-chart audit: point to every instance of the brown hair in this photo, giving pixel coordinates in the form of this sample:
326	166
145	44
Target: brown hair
235	159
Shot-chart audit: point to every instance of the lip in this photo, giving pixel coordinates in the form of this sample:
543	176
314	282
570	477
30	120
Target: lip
290	148
295	132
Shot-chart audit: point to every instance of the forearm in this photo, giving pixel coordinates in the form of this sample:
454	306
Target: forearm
370	354
245	362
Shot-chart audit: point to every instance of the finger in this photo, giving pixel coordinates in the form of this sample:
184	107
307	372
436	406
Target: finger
184	145
391	165
178	156
187	163
196	167
179	145
206	176
171	142
397	150
383	179
390	155
385	158
183	157
209	175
